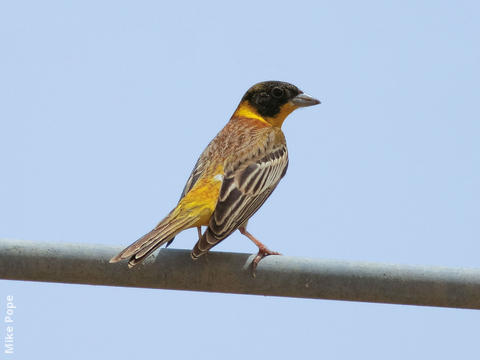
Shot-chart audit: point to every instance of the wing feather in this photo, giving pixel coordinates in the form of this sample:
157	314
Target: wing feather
194	176
244	190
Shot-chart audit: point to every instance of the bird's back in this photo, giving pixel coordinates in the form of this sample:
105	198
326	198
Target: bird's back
252	162
241	141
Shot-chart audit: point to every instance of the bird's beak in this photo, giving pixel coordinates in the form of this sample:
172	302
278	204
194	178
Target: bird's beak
303	100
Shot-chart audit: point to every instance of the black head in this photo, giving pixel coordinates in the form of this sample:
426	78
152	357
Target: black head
268	97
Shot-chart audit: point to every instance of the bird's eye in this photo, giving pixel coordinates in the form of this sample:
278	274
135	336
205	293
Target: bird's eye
277	92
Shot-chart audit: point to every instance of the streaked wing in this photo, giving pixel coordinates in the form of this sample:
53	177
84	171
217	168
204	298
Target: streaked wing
194	176
243	191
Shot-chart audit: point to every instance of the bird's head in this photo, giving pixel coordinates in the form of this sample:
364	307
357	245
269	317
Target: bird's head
272	102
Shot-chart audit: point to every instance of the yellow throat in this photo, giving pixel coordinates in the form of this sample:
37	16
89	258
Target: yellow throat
248	111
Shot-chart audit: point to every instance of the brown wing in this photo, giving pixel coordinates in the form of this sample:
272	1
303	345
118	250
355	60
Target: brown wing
243	191
194	176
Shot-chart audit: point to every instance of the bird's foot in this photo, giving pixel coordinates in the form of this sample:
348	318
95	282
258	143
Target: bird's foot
262	252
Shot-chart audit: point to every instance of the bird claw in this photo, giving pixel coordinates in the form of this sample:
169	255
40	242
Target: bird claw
262	252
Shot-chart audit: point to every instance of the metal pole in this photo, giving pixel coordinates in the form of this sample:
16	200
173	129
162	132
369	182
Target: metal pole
230	273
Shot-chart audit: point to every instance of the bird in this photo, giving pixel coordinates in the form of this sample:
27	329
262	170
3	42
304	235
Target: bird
232	178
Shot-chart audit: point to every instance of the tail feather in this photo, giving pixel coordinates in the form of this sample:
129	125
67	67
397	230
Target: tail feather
205	243
147	244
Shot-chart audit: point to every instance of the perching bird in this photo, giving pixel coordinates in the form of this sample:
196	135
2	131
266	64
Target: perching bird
234	175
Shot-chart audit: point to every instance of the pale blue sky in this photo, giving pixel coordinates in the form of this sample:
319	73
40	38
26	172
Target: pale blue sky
105	107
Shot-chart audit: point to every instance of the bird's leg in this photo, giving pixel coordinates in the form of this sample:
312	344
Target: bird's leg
262	249
199	230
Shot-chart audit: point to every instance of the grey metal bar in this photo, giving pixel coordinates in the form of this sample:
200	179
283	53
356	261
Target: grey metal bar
230	273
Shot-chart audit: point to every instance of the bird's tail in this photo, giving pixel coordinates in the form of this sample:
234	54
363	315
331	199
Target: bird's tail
205	243
162	233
